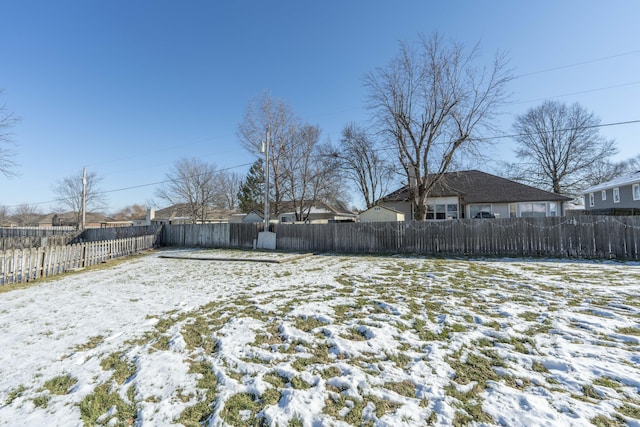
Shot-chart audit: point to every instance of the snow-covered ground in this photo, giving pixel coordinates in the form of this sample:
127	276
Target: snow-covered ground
324	340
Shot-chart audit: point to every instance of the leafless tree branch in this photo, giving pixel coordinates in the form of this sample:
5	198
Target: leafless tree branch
431	102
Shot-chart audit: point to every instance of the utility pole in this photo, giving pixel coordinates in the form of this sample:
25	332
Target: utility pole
267	168
84	197
266	239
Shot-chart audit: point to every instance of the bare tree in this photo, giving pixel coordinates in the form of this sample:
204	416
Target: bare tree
603	171
328	180
302	172
228	188
360	161
7	120
560	147
431	102
130	212
633	164
270	116
69	191
26	215
4	215
193	183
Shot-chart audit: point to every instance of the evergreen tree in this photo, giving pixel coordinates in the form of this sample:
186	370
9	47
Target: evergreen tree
251	194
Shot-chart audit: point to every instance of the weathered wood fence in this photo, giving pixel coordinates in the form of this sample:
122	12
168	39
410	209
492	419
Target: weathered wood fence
24	265
600	237
574	237
34	241
34	231
115	233
217	235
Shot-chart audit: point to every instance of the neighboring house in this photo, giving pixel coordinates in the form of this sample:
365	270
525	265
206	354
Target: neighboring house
146	220
381	214
317	213
236	218
181	214
476	194
620	196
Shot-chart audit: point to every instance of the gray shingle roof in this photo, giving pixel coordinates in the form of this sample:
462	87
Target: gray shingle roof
474	186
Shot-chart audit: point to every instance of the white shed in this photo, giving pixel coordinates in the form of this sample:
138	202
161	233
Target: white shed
381	214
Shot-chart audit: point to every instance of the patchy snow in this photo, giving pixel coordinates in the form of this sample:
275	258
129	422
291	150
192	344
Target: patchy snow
325	340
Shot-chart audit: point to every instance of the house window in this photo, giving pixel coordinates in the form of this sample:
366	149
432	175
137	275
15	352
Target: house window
553	210
616	195
452	211
288	218
513	210
636	191
474	210
604	194
533	209
443	211
592	200
430	212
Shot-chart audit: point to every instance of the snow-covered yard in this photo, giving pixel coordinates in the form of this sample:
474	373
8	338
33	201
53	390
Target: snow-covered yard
324	341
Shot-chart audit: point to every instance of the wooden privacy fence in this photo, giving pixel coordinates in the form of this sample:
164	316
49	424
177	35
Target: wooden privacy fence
115	233
34	231
34	241
218	235
24	265
602	237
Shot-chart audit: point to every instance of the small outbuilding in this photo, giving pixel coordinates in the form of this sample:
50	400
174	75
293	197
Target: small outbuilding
381	214
253	217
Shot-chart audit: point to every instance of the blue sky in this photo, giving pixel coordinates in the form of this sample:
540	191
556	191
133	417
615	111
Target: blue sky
126	88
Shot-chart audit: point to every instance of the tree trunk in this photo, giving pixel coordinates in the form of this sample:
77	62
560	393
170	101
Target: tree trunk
420	212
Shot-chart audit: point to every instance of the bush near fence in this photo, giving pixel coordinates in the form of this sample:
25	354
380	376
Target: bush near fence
24	265
598	237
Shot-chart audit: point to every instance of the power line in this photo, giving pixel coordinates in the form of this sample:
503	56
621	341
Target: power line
168	180
600	59
490	138
576	93
133	187
601	125
576	64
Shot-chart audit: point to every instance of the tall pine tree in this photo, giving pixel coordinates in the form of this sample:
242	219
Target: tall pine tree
251	194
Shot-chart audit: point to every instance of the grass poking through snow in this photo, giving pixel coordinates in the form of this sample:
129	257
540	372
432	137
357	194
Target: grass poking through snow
365	341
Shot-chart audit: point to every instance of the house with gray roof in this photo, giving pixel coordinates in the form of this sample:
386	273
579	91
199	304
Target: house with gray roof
620	196
181	213
476	194
314	212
